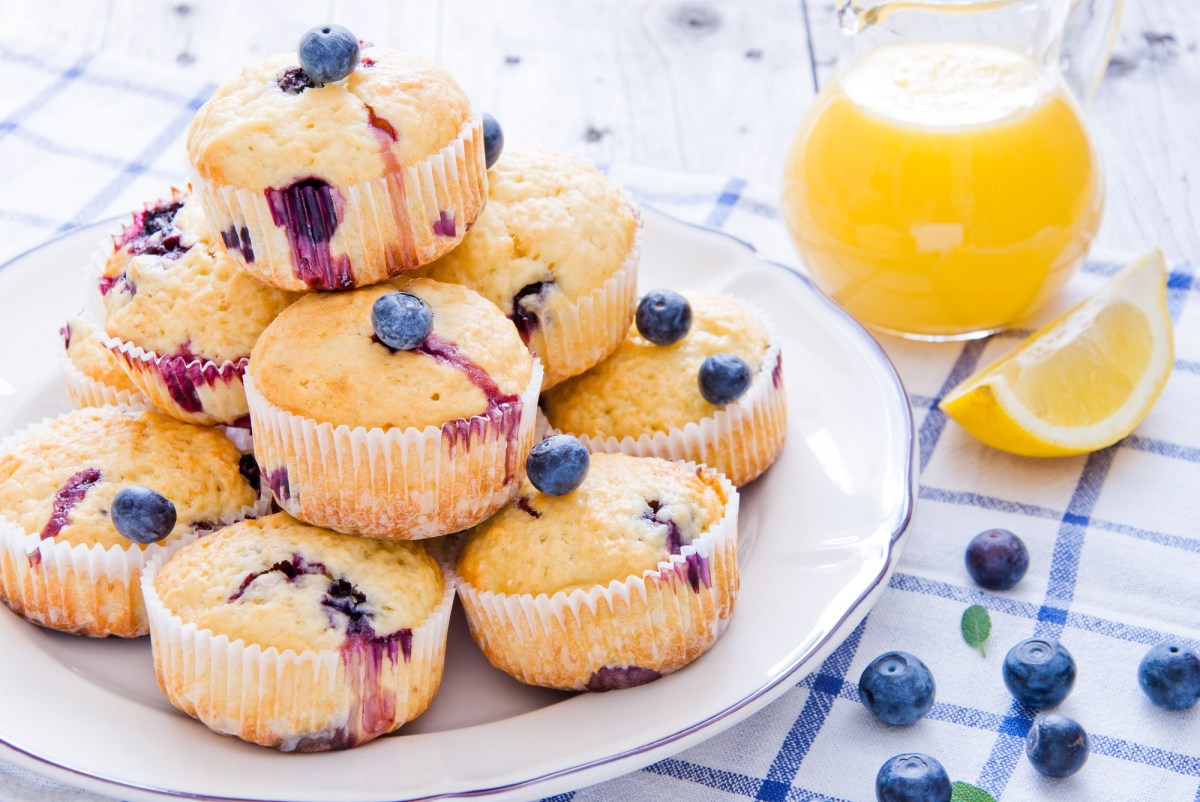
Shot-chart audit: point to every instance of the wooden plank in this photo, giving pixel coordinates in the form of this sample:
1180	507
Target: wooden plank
1144	120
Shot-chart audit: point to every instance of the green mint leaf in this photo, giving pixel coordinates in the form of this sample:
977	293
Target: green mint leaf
964	792
976	627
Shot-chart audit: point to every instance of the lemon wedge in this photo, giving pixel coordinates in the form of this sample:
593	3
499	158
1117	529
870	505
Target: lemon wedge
1084	380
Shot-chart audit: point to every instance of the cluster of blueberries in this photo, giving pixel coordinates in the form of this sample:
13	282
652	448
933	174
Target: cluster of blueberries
899	689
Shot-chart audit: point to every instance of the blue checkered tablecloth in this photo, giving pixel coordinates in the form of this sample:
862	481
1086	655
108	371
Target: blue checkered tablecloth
1114	536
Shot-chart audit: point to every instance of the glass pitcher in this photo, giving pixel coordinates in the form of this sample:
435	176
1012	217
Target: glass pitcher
944	183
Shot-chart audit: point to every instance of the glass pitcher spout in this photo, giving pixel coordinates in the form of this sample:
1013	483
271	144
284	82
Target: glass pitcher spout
1074	37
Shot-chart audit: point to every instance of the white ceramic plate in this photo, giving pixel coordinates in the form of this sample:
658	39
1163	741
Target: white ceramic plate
820	534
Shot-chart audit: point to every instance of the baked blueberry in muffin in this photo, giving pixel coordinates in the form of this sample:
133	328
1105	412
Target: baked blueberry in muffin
354	629
556	249
332	184
402	442
180	315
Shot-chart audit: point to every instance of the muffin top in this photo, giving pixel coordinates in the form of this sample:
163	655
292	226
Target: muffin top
269	126
170	288
321	359
630	514
643	388
278	582
554	228
59	481
91	358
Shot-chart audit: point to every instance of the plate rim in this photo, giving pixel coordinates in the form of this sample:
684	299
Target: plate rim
899	524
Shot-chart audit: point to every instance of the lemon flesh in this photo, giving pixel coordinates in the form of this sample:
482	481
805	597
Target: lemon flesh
1083	381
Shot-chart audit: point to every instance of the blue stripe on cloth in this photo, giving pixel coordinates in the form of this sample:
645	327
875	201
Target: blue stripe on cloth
123	84
50	146
1020	609
725	203
1064	563
27	218
968	498
567	797
732	782
139	165
1162	448
812	716
10	123
965	498
704	775
935	420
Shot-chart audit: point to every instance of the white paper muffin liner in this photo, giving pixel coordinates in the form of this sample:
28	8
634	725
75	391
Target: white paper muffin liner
308	702
406	484
86	590
621	634
741	439
387	225
573	338
88	392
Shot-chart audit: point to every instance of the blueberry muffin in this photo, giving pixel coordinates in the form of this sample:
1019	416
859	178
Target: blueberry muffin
631	576
363	437
649	399
556	249
334	185
92	373
180	315
74	521
295	637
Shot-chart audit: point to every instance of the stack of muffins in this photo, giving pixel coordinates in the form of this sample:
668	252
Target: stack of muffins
233	356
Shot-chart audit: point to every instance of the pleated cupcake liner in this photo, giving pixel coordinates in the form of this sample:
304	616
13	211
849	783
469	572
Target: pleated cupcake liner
622	634
368	232
575	337
312	701
88	392
406	484
85	589
741	439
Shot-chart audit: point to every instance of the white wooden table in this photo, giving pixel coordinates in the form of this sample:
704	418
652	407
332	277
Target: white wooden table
713	86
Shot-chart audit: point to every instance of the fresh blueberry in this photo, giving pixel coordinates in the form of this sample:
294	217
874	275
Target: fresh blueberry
1056	745
912	777
1170	676
664	317
142	515
723	378
493	140
558	464
328	53
401	320
997	559
1039	673
897	687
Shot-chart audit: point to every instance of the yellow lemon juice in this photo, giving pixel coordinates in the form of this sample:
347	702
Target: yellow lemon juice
943	189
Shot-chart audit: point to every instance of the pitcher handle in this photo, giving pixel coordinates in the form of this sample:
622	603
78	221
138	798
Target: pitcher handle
1087	43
